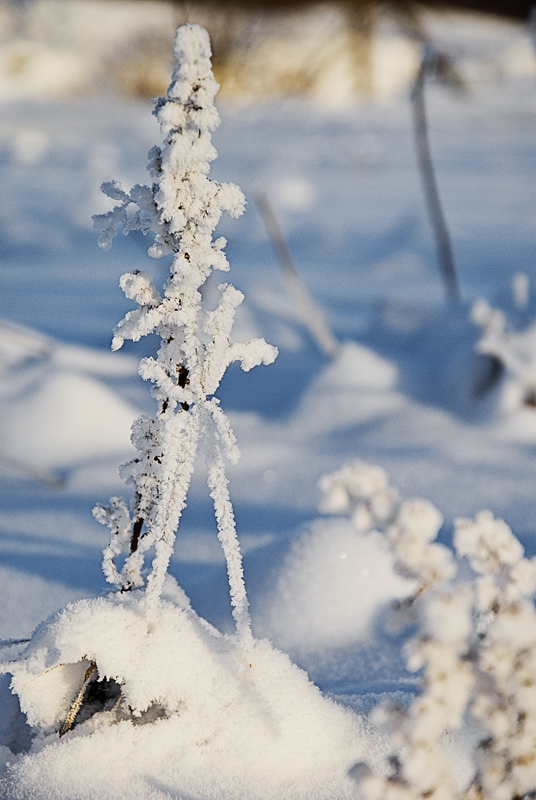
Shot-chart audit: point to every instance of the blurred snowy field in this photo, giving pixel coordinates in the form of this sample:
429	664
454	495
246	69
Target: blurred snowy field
402	392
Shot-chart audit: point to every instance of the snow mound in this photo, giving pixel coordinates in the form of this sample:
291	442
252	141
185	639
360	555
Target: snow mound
56	420
54	409
332	587
358	367
356	371
199	714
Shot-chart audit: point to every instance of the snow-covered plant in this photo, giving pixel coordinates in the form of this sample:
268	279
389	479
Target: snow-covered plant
475	646
514	350
181	208
361	490
504	657
442	614
127	655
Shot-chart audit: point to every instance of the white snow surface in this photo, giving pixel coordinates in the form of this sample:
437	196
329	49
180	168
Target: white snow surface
407	390
238	722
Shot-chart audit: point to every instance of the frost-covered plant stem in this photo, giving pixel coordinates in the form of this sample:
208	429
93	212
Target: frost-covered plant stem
504	658
475	644
442	613
181	209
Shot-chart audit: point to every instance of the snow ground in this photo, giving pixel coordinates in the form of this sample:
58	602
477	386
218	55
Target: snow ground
400	393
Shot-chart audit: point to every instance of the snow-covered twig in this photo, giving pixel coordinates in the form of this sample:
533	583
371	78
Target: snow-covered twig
442	614
504	657
181	210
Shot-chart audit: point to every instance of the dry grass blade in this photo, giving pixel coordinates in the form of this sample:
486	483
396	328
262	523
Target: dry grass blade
12	642
431	60
36	473
35	343
310	313
79	699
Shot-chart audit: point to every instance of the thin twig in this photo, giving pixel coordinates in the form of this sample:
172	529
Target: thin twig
433	203
26	339
36	473
79	699
12	642
309	311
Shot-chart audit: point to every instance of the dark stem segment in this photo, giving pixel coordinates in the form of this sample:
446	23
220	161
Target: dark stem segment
12	642
136	531
183	381
433	203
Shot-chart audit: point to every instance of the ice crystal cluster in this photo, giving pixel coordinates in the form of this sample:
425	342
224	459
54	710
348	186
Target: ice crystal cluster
475	644
181	209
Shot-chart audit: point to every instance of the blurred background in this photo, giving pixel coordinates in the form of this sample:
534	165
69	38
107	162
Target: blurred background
332	51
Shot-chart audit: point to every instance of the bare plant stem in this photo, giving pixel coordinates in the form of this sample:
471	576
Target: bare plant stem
311	315
433	203
77	702
12	642
32	472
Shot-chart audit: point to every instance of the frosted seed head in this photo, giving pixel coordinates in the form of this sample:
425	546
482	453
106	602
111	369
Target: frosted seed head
362	518
488	542
522	579
364	480
421	518
334	497
383	504
487	592
192	44
447	616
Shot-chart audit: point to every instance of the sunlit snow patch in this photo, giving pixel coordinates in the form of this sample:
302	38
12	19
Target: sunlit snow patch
54	410
228	719
357	385
332	587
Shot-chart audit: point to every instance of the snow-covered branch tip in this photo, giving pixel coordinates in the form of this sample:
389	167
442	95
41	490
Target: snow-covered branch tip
179	212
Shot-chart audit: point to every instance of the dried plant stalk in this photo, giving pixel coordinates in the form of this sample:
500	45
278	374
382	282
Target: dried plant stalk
79	699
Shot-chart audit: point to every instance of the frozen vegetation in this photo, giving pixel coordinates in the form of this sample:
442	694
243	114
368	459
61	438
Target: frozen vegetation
340	639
